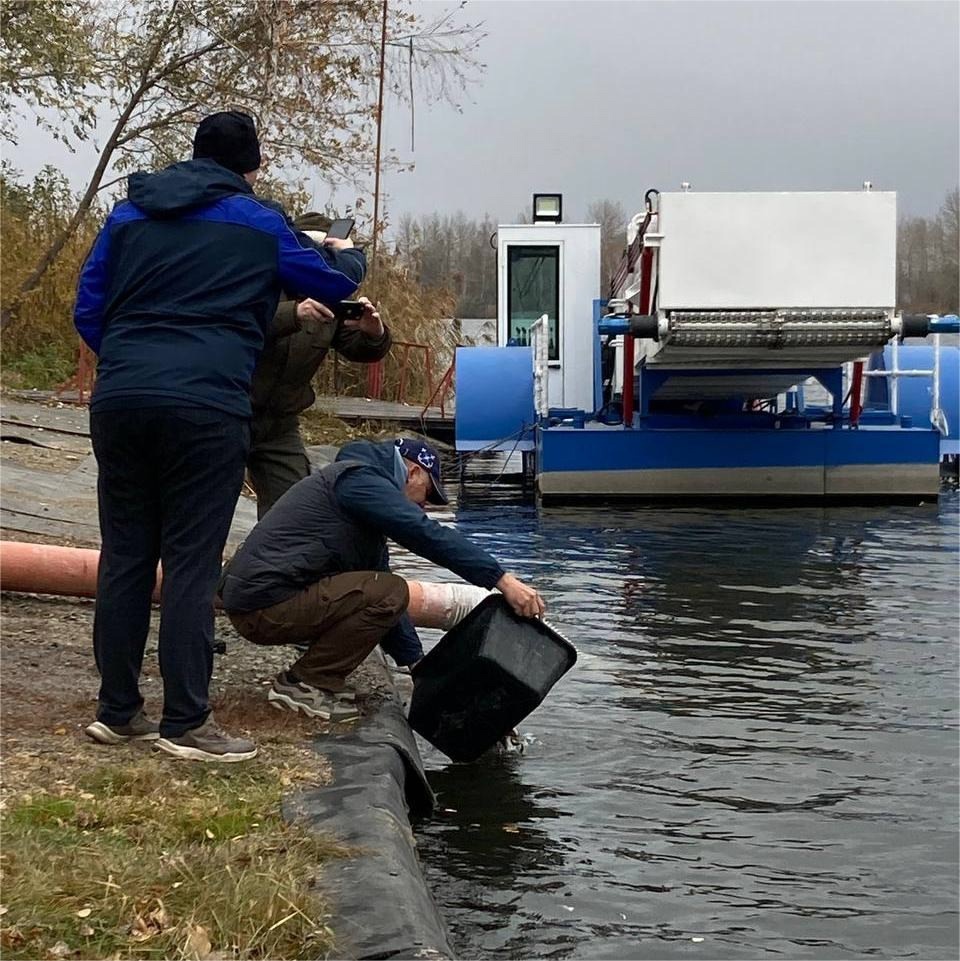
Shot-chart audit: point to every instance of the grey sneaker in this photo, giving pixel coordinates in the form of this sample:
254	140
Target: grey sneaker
286	693
208	743
138	728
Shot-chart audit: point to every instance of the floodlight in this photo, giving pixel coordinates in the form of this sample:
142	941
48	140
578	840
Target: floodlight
547	208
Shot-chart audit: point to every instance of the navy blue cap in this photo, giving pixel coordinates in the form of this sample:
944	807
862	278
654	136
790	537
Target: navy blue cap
424	455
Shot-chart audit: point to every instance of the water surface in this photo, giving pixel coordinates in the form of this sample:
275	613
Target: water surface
756	755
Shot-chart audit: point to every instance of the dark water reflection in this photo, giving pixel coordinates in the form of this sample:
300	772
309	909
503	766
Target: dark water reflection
756	755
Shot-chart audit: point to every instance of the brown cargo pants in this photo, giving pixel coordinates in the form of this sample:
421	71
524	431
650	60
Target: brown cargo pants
342	618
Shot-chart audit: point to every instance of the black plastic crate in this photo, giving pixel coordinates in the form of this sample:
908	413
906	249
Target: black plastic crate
484	677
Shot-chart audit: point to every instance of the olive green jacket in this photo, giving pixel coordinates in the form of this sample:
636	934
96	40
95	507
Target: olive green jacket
281	383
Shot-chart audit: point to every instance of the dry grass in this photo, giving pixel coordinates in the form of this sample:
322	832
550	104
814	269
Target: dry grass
114	852
40	346
144	859
322	427
414	314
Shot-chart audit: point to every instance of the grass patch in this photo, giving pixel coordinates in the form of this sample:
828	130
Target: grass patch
42	367
148	859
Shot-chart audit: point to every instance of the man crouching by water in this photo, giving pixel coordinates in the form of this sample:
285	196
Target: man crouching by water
315	570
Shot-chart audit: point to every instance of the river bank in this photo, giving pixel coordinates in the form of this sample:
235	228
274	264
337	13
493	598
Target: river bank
152	857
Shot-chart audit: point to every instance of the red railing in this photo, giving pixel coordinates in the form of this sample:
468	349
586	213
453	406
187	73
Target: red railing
82	379
375	371
443	389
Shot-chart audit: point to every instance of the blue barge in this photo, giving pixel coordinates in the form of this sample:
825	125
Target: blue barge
749	348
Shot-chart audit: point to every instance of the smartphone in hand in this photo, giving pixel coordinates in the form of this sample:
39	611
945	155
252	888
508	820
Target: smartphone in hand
340	229
348	310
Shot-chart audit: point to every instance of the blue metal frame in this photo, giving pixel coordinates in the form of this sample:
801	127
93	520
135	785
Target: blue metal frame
565	440
598	306
947	324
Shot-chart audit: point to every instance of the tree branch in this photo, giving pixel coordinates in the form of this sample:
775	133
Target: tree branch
165	121
93	187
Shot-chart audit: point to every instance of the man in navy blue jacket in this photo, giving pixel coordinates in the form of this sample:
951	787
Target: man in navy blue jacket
315	570
175	299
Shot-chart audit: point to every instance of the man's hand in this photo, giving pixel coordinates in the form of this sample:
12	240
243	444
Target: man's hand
370	323
338	243
524	600
312	315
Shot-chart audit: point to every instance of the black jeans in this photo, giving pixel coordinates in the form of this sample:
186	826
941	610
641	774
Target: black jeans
169	478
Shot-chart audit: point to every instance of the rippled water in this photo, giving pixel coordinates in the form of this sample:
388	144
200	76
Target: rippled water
756	755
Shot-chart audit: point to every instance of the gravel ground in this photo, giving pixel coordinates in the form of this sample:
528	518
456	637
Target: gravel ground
49	681
48	688
52	459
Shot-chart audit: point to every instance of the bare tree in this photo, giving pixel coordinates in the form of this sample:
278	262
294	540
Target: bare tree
928	276
304	70
613	237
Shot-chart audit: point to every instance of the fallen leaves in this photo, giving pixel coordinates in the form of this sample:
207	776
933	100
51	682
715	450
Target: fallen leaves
149	925
197	945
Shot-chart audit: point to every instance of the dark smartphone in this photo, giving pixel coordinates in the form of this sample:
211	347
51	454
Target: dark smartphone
341	228
348	310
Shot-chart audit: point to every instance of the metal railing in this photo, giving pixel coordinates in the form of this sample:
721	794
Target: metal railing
443	389
539	340
937	416
82	379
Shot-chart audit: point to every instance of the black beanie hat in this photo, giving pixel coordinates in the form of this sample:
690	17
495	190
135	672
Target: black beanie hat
229	138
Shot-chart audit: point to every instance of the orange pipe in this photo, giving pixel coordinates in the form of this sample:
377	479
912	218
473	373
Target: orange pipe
45	569
72	572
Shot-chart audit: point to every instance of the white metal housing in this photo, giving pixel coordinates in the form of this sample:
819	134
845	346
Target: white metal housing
818	249
570	378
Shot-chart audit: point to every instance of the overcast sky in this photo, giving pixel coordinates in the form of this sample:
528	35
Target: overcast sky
600	99
605	99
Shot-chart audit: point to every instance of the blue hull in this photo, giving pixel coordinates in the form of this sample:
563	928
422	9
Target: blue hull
875	462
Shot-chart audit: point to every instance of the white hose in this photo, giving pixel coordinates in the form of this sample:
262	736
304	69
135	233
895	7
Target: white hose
444	605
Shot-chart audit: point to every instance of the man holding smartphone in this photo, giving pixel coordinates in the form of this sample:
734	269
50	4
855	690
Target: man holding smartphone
298	342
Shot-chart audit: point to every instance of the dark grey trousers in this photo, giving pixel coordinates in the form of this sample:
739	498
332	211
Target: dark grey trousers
276	460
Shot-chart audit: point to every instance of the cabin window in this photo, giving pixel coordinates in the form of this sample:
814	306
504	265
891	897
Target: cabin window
533	289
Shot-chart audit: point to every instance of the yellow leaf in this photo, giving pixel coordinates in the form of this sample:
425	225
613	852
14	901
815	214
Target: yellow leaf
198	944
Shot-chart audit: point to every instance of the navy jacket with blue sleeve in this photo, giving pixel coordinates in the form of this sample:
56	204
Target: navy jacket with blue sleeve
182	283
